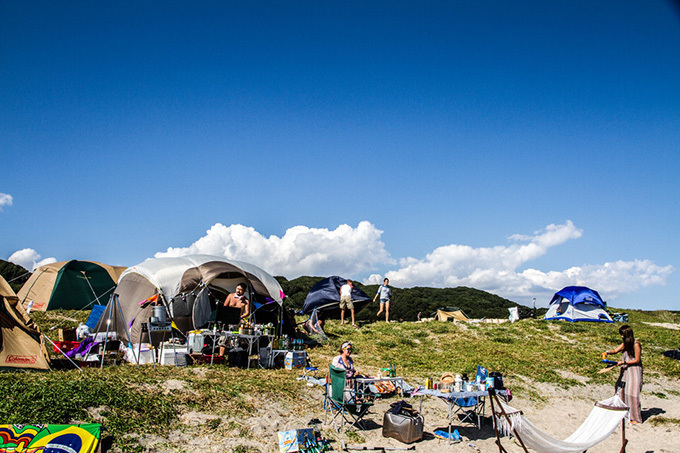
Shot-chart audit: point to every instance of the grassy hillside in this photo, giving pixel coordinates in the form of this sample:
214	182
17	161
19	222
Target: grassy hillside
14	274
140	403
408	302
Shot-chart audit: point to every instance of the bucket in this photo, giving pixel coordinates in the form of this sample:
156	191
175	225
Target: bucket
159	312
497	380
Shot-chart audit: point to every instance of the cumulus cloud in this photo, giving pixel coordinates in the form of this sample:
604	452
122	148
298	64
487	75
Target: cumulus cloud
358	251
29	259
497	269
5	200
300	251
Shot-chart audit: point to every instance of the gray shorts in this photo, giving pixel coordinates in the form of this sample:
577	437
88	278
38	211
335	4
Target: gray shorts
346	302
384	301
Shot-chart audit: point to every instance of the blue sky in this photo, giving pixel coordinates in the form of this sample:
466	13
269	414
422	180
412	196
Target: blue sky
516	147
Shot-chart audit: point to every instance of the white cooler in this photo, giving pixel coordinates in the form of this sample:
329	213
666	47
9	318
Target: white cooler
176	356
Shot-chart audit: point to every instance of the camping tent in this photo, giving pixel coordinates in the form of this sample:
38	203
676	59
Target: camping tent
325	297
20	346
451	314
72	285
577	303
192	286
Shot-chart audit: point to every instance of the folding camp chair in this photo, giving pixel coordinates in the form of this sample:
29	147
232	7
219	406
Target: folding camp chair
313	327
344	402
469	410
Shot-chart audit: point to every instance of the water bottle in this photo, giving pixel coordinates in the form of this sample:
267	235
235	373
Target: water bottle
458	383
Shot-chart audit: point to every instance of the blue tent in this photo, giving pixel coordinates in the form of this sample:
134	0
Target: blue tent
577	303
325	297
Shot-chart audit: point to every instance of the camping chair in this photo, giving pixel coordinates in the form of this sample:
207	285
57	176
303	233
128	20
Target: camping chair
343	401
469	410
312	327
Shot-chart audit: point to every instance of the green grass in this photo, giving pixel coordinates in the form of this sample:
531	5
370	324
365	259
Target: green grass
132	402
665	421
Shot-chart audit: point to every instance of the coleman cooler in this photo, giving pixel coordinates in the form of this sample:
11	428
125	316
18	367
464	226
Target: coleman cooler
406	426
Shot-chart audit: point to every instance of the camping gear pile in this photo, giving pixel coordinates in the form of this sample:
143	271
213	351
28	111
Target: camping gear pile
190	290
153	310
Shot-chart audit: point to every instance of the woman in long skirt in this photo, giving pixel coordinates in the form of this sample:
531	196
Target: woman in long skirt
629	384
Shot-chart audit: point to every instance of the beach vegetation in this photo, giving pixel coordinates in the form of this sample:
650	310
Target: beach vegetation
136	403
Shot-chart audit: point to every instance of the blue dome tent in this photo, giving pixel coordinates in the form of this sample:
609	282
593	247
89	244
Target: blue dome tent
325	297
577	303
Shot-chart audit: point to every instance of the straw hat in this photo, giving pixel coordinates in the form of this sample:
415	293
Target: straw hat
447	378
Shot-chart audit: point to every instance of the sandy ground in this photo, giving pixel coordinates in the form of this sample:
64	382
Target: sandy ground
559	414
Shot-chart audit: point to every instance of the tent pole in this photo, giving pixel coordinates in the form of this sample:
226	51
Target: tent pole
125	326
106	338
87	279
62	353
280	329
32	285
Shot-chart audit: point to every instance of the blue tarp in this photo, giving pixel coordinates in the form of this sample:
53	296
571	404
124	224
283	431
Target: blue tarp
97	311
325	297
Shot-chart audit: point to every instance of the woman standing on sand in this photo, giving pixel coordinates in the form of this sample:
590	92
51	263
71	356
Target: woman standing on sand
629	384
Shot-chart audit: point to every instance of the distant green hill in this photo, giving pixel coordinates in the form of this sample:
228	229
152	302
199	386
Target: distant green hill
408	302
15	275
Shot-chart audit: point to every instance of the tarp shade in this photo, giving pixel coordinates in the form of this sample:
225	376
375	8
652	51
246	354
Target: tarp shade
458	315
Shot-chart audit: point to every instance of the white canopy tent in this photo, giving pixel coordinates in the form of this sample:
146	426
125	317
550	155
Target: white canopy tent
190	285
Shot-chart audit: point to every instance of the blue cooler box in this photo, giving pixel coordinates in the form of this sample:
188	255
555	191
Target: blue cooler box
295	359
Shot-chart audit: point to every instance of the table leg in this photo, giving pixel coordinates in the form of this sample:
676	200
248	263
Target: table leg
450	404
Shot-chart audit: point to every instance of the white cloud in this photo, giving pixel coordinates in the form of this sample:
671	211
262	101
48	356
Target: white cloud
5	200
496	269
29	259
300	251
355	252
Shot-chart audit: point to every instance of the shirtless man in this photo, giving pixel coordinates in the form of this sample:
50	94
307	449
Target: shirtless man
238	299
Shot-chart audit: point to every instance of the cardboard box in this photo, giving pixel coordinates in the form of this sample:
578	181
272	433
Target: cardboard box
291	441
67	334
295	360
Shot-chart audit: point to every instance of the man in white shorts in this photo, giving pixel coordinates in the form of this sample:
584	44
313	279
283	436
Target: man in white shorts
346	301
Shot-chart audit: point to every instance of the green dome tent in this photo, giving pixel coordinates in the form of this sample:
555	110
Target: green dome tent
71	285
